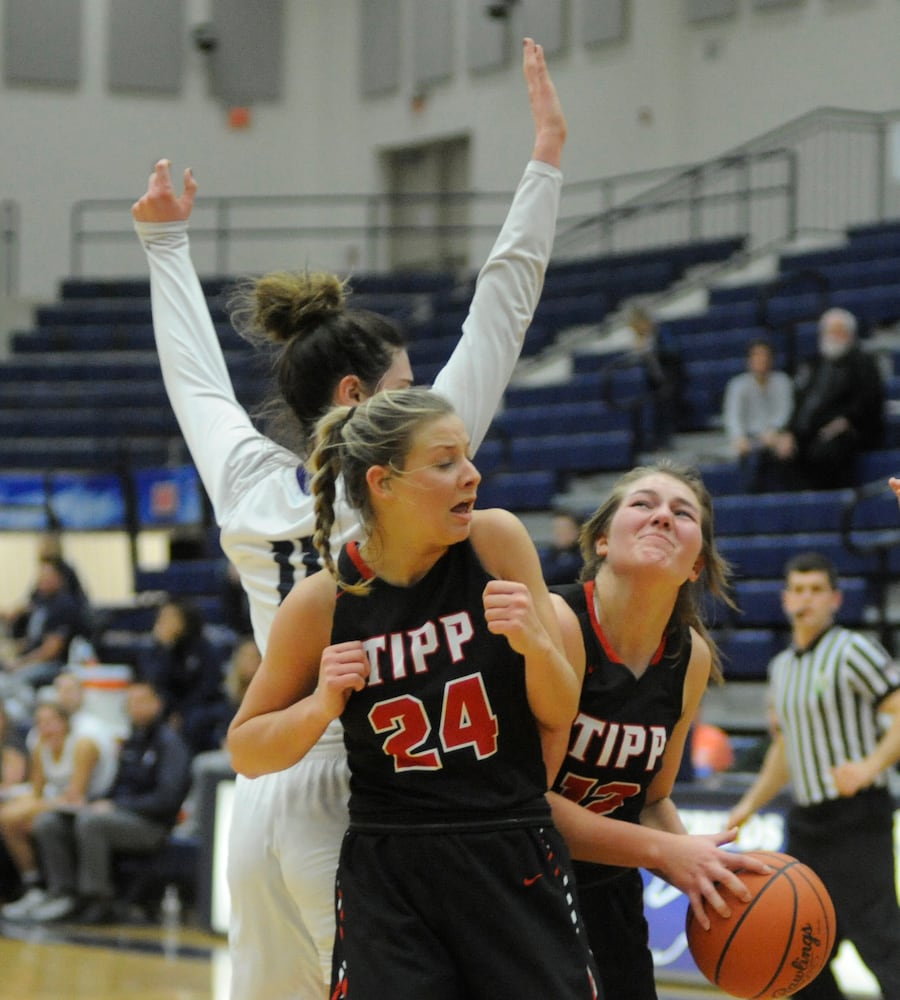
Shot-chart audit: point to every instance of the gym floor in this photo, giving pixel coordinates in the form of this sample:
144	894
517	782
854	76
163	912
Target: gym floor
137	962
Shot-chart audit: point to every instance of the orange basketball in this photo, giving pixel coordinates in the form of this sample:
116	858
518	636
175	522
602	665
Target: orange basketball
776	943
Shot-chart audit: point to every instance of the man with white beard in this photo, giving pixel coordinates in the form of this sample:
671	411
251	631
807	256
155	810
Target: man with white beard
838	409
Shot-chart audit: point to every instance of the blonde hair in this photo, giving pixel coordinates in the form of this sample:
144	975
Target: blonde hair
350	441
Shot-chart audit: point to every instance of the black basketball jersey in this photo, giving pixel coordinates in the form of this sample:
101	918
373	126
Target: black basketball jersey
443	731
623	722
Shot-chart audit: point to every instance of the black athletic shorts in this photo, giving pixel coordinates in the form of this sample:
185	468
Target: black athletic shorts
459	915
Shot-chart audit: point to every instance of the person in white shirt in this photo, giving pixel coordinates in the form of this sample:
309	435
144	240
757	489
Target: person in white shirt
287	826
68	768
757	405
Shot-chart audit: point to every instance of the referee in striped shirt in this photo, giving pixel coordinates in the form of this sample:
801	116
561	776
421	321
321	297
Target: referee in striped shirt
831	693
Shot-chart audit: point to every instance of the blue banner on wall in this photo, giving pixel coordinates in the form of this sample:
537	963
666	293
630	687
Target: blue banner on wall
88	502
168	497
23	502
74	502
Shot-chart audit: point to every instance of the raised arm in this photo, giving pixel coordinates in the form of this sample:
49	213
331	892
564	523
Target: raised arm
219	433
510	283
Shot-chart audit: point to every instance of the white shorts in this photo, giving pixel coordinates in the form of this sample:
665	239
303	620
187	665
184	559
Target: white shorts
283	849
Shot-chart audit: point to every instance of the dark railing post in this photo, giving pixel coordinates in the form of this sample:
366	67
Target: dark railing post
791	223
745	194
881	168
10	226
607	196
371	233
76	229
695	203
221	237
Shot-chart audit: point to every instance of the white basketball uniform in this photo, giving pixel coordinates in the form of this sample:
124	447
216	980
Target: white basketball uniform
287	827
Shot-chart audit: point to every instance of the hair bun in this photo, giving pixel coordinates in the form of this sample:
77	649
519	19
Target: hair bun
285	305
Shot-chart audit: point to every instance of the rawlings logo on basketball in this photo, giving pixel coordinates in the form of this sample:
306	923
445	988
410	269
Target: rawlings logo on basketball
776	943
810	942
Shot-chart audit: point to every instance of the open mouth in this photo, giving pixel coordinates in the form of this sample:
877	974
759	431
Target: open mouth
464	508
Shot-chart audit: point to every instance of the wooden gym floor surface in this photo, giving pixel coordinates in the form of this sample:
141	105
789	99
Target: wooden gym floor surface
137	962
127	962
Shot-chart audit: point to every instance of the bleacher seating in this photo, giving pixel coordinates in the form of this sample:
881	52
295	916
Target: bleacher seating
83	390
86	378
861	275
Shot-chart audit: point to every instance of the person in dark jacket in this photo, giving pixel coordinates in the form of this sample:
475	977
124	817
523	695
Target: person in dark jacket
838	409
53	618
77	848
183	665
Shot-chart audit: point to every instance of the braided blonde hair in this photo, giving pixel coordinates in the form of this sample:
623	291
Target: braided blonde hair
351	440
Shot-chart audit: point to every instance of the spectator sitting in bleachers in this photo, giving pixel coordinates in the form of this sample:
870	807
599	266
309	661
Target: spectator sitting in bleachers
68	690
55	616
77	848
66	770
49	546
660	358
757	404
838	409
183	665
561	560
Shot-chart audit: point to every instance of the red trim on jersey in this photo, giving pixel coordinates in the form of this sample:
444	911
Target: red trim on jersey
365	570
598	630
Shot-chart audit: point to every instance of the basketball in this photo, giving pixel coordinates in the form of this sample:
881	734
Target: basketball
776	943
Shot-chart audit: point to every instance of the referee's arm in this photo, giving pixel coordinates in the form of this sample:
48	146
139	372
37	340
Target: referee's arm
772	777
854	775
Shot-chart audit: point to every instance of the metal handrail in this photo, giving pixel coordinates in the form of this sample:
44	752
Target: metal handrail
821	172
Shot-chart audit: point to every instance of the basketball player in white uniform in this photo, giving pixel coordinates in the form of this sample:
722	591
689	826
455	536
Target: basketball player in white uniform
287	827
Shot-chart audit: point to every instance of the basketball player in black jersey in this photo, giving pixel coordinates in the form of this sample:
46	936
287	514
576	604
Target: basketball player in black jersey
649	555
435	641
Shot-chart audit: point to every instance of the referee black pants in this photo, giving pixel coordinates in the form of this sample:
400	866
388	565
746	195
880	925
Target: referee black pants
849	844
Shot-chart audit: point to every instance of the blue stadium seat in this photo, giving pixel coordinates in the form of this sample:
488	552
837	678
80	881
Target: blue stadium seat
879	464
560	313
402	282
186	578
591	451
718	345
580	387
491	455
720	478
518	491
878	304
780	513
759	602
560	418
746	652
54	454
765	556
